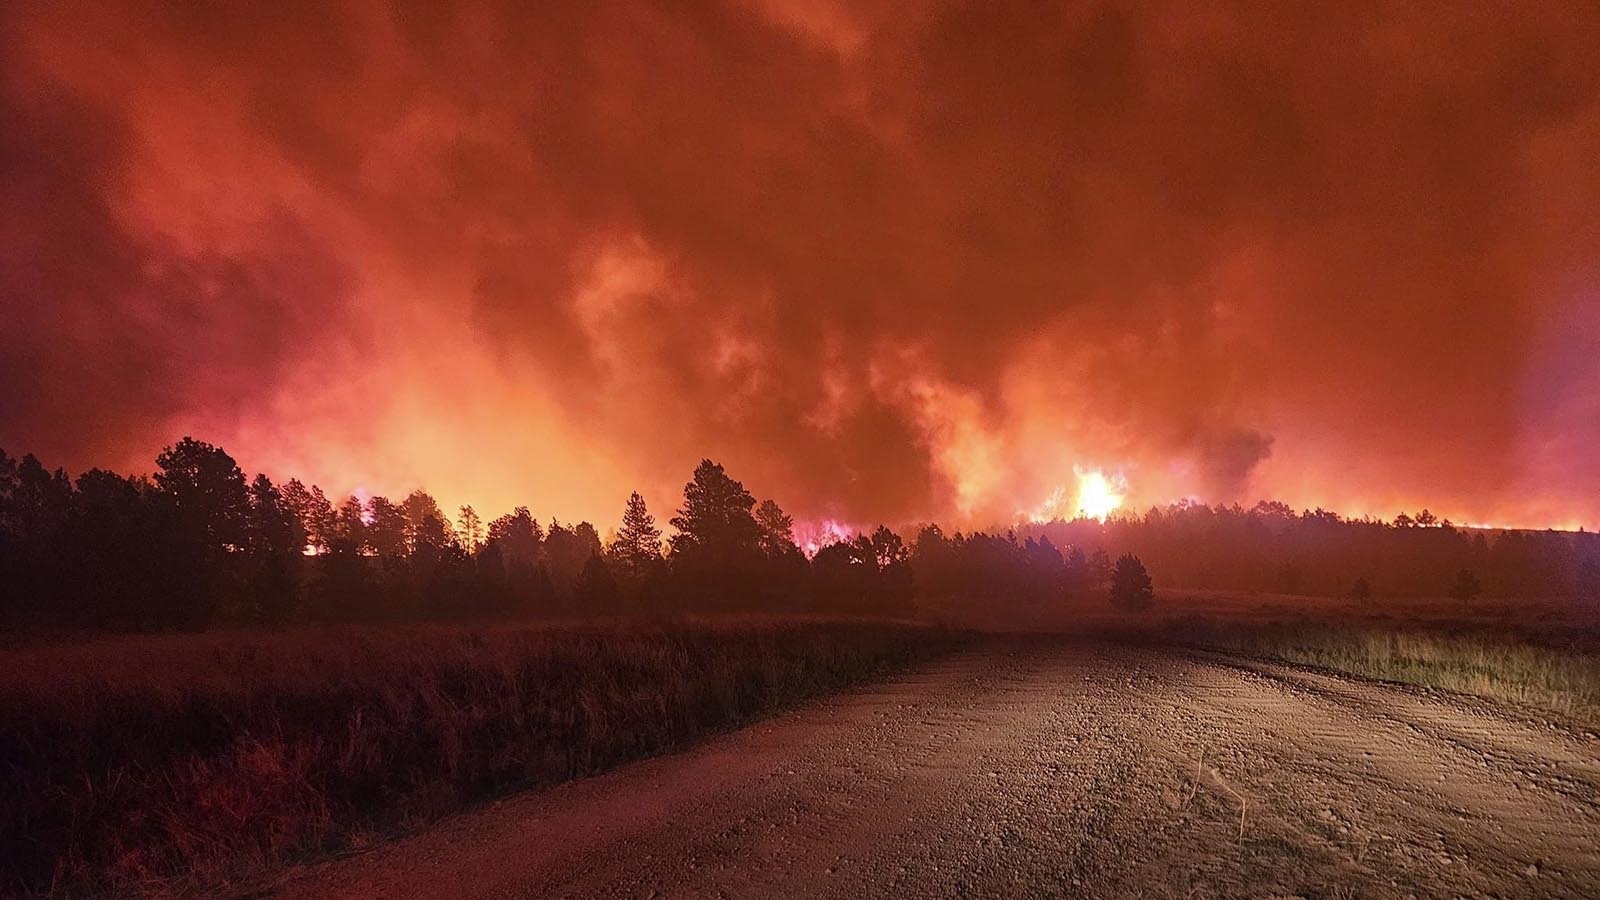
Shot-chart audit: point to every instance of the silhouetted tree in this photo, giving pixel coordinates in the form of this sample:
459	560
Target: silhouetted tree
1588	580
845	576
352	525
1131	587
783	570
426	525
8	484
566	551
1100	565
518	537
318	521
208	492
777	531
452	587
386	528
1043	576
895	584
1361	590
596	590
716	553
1077	575
469	526
715	522
511	561
636	547
33	516
127	561
274	540
933	570
1465	587
347	588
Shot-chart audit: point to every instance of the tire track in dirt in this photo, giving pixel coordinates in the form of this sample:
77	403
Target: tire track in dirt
1433	794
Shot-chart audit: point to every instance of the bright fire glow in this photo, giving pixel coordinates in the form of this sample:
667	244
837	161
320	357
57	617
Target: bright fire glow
1099	496
813	536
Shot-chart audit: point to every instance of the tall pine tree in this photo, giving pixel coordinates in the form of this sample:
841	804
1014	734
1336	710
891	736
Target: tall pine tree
715	525
637	545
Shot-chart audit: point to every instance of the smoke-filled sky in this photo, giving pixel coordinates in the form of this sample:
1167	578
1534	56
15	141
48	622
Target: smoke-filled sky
886	261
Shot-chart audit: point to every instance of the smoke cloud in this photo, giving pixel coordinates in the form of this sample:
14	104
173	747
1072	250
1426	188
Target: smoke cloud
887	262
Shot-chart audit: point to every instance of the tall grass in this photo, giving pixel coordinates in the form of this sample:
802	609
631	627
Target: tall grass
130	761
1499	665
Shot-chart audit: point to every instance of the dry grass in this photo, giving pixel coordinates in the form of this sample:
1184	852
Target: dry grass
1526	668
201	758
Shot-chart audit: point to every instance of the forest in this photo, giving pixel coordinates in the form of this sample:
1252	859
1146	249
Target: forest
199	545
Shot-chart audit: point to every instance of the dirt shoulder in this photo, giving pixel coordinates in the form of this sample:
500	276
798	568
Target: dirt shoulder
1041	767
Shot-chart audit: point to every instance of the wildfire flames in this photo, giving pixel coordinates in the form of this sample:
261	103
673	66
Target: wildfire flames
1098	495
861	303
813	536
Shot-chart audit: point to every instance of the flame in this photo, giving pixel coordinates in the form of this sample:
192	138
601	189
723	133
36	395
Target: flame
1098	495
1053	507
813	536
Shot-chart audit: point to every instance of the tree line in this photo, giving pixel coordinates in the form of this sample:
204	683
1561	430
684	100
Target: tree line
1272	549
197	544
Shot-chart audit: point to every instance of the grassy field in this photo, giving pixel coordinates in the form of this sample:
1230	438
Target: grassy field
1541	664
1539	652
205	757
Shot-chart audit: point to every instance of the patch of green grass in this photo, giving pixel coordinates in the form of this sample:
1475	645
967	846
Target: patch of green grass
133	760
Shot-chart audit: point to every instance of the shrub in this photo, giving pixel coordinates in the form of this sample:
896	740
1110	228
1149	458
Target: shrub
1131	588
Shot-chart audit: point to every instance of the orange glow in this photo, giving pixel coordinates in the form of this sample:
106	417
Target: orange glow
889	273
1099	496
813	536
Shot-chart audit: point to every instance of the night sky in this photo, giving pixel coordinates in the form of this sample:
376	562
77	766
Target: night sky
885	261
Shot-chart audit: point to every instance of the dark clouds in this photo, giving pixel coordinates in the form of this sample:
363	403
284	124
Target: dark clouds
884	261
111	331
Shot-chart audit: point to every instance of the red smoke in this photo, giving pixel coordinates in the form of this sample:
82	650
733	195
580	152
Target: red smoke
885	261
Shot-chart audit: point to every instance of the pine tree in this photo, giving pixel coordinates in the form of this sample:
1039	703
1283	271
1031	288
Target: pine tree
519	537
274	539
715	523
425	525
386	528
637	545
319	524
596	588
1131	588
777	531
469	526
352	530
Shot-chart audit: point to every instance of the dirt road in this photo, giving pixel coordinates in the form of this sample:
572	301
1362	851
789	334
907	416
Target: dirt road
1039	767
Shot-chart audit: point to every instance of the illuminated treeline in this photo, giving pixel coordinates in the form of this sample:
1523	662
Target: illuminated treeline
197	544
1271	548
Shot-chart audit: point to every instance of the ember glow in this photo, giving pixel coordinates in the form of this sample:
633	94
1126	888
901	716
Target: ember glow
887	263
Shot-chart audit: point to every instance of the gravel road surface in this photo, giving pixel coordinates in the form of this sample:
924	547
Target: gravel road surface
1041	767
